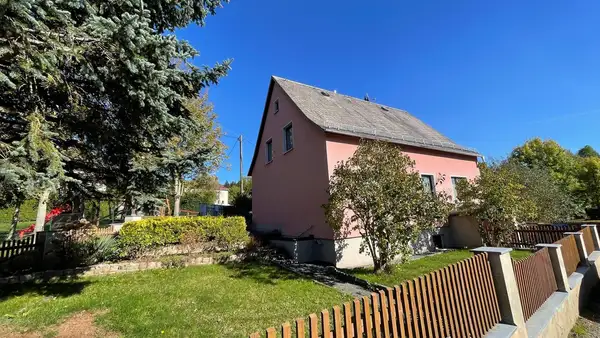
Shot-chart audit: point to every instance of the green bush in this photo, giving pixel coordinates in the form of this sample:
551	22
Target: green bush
223	232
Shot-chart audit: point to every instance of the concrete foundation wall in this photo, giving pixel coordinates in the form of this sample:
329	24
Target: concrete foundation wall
559	313
557	316
342	253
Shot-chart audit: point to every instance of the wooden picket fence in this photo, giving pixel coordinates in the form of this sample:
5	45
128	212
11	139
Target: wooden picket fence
11	248
588	240
528	236
456	301
535	280
570	253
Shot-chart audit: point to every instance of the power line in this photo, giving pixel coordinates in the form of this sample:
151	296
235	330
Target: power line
232	147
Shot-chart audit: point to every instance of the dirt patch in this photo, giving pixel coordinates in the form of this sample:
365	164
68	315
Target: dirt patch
7	332
78	325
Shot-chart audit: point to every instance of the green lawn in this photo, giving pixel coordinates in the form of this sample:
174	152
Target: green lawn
205	301
419	267
5	227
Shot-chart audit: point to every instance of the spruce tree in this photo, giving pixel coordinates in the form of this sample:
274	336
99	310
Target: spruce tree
96	88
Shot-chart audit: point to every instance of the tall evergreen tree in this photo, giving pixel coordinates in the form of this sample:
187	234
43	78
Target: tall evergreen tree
99	86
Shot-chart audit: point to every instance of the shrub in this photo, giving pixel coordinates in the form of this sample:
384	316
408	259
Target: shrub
223	232
82	249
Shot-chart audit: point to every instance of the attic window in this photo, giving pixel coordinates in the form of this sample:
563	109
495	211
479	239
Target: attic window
384	108
324	93
276	106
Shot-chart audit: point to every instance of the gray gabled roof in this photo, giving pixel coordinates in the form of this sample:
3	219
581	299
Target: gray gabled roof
342	114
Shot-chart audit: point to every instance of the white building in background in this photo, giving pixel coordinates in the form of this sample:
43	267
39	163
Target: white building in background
222	196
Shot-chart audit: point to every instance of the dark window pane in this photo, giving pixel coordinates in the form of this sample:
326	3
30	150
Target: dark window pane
428	184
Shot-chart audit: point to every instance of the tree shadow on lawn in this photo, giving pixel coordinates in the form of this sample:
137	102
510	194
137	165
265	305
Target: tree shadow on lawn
57	288
260	272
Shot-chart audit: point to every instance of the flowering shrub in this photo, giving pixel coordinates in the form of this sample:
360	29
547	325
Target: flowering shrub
49	216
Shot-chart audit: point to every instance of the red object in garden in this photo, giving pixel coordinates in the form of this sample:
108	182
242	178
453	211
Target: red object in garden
49	216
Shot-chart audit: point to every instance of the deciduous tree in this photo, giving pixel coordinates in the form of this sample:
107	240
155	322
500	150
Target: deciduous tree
588	151
508	193
379	194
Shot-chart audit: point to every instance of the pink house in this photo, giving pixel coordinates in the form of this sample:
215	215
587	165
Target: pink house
305	131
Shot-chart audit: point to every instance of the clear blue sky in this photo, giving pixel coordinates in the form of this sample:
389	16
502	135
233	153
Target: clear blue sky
487	74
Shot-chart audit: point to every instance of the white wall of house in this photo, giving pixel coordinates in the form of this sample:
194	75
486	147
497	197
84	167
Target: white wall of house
222	197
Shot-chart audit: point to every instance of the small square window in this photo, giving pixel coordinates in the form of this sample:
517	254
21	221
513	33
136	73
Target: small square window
288	138
428	184
269	151
455	182
276	106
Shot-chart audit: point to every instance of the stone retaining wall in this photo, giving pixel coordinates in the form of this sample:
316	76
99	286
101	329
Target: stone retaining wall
113	268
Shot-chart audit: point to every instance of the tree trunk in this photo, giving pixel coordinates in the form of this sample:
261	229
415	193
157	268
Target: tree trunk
111	212
41	212
15	221
97	213
178	191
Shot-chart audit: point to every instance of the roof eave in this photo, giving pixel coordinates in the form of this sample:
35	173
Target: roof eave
403	142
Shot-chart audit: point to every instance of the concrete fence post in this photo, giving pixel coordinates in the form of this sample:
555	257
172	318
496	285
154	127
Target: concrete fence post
558	266
594	235
507	290
580	246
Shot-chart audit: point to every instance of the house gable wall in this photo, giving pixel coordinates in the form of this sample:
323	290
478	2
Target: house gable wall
288	193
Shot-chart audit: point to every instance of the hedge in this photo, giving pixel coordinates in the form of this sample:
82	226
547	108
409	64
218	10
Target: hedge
224	232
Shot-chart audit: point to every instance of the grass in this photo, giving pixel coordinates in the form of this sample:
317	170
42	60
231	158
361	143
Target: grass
207	301
5	227
579	330
419	267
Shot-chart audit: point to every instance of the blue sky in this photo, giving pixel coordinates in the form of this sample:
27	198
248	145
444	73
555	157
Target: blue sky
487	74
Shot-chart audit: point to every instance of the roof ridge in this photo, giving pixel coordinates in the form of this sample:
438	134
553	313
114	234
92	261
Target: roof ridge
340	94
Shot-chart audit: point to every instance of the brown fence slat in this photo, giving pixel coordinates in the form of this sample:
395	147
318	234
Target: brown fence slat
348	327
385	320
313	325
358	323
588	240
399	312
286	330
325	328
376	315
337	322
408	310
300	328
456	301
392	309
271	333
368	319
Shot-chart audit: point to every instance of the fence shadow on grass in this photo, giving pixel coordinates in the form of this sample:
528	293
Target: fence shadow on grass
260	272
58	288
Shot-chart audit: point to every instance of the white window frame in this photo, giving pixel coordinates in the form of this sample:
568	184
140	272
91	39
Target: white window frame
454	193
432	181
289	124
276	105
267	151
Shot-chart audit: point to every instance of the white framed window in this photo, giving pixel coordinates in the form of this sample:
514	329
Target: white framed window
455	180
276	105
288	137
269	151
428	183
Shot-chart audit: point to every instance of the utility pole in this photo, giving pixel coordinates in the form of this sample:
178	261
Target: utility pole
241	167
